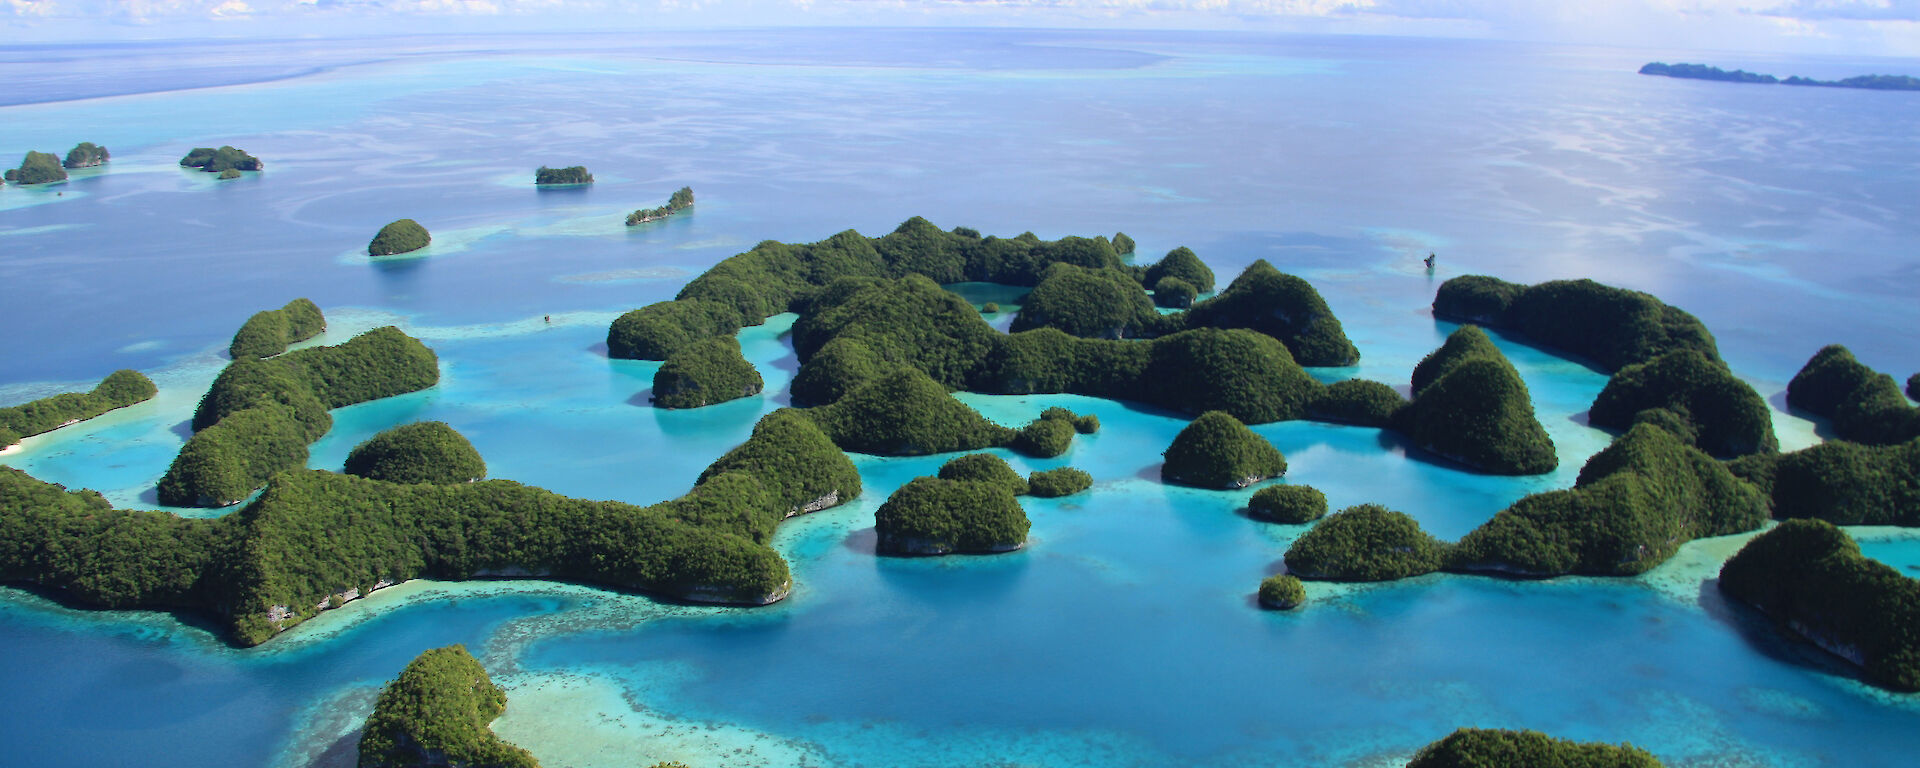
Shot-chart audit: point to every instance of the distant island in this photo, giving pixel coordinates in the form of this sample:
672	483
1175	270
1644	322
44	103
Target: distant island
1704	72
226	161
402	236
578	174
86	154
680	201
37	168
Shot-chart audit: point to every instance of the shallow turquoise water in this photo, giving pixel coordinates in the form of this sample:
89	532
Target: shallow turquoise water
1126	633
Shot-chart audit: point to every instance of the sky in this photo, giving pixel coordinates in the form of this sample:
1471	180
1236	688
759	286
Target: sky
1846	27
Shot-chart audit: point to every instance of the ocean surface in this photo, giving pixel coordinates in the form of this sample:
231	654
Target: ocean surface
1127	633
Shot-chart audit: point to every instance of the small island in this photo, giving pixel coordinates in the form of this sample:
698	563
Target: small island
1471	407
711	370
37	168
1704	72
1053	483
984	468
1864	405
1282	592
86	154
547	177
402	236
1488	748
437	712
1366	543
269	332
118	390
1218	451
1290	504
934	516
221	161
680	201
422	452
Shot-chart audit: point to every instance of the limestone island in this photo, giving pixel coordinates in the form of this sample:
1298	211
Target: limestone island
1704	72
118	390
437	712
709	371
429	452
1217	451
1290	504
1486	747
86	154
269	332
1282	592
578	174
221	161
681	200
935	516
37	168
402	236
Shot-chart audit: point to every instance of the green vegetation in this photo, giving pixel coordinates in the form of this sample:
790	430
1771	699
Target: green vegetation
1487	748
1090	303
1217	451
911	321
1704	72
681	200
1709	406
37	168
572	175
1280	305
1173	292
1282	592
1291	504
1357	401
711	370
1470	406
1052	483
1122	244
1632	507
284	402
221	160
657	330
86	154
1864	406
1086	425
932	516
118	390
1614	327
437	713
270	331
1841	482
1913	386
984	468
1045	438
421	452
314	539
1365	543
1810	577
1246	374
990	308
403	236
229	174
1181	263
905	413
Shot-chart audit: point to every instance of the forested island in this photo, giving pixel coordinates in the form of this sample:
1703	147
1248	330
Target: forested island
1499	748
437	712
1704	72
681	200
269	332
86	154
226	161
401	236
36	168
118	390
577	174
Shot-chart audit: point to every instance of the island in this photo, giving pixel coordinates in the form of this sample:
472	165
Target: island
1181	264
1282	592
711	370
1360	402
86	154
1173	292
259	416
984	468
221	161
1216	450
1289	504
577	174
1841	482
935	516
429	452
1089	303
681	200
1486	748
437	712
1365	543
37	168
1702	401
118	390
1704	72
1122	244
1471	407
1054	483
1280	305
402	236
269	332
1811	579
1863	405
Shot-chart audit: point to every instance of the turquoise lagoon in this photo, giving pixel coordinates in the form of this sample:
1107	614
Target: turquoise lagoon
1127	633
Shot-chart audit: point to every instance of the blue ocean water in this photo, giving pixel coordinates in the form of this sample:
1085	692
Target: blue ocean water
1126	634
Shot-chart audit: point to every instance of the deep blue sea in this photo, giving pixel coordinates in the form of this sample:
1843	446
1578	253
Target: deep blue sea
1126	634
